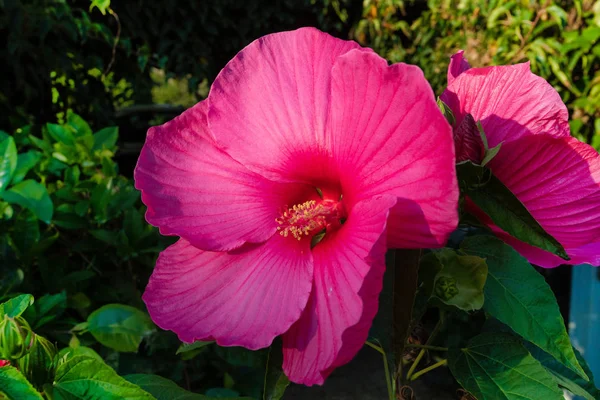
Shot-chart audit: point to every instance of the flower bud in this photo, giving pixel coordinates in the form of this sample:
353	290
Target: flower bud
468	142
38	364
16	338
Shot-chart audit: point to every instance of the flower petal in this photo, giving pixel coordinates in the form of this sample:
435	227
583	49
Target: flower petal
510	102
389	137
242	298
458	65
196	191
349	267
270	102
558	180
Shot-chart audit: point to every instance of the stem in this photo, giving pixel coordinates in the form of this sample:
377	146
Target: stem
388	380
426	370
435	331
414	364
116	42
426	347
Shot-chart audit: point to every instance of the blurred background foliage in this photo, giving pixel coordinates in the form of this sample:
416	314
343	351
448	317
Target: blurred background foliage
83	80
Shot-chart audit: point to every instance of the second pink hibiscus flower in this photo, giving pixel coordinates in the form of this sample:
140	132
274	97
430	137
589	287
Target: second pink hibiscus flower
554	175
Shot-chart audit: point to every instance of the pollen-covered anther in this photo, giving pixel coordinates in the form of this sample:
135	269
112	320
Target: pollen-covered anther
309	218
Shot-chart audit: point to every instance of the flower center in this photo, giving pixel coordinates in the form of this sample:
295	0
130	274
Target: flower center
310	217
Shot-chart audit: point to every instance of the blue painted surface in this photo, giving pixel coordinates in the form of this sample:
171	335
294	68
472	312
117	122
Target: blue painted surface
584	326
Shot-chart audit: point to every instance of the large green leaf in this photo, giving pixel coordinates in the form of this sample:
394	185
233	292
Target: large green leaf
497	366
119	327
8	161
106	138
14	386
165	389
566	378
32	195
275	380
86	378
455	280
520	297
25	162
504	208
16	306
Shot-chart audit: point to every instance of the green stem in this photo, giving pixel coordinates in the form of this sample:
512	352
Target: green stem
424	346
388	380
435	331
426	370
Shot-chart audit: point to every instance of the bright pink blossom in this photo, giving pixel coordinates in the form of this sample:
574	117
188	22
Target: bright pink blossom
4	363
301	134
553	174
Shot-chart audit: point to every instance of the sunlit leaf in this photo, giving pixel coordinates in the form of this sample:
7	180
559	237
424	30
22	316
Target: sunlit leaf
520	297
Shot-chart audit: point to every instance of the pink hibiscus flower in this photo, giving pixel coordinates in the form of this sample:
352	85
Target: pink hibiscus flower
4	363
554	175
302	135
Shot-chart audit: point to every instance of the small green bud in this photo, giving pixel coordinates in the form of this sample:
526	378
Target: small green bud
38	364
16	338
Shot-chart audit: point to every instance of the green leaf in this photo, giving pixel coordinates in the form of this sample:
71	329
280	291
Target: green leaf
504	208
72	175
446	111
119	327
14	386
186	347
483	136
32	195
490	154
165	389
8	161
566	378
16	306
86	378
106	138
78	124
46	309
100	198
61	134
69	353
275	380
25	162
498	366
455	280
42	144
520	297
